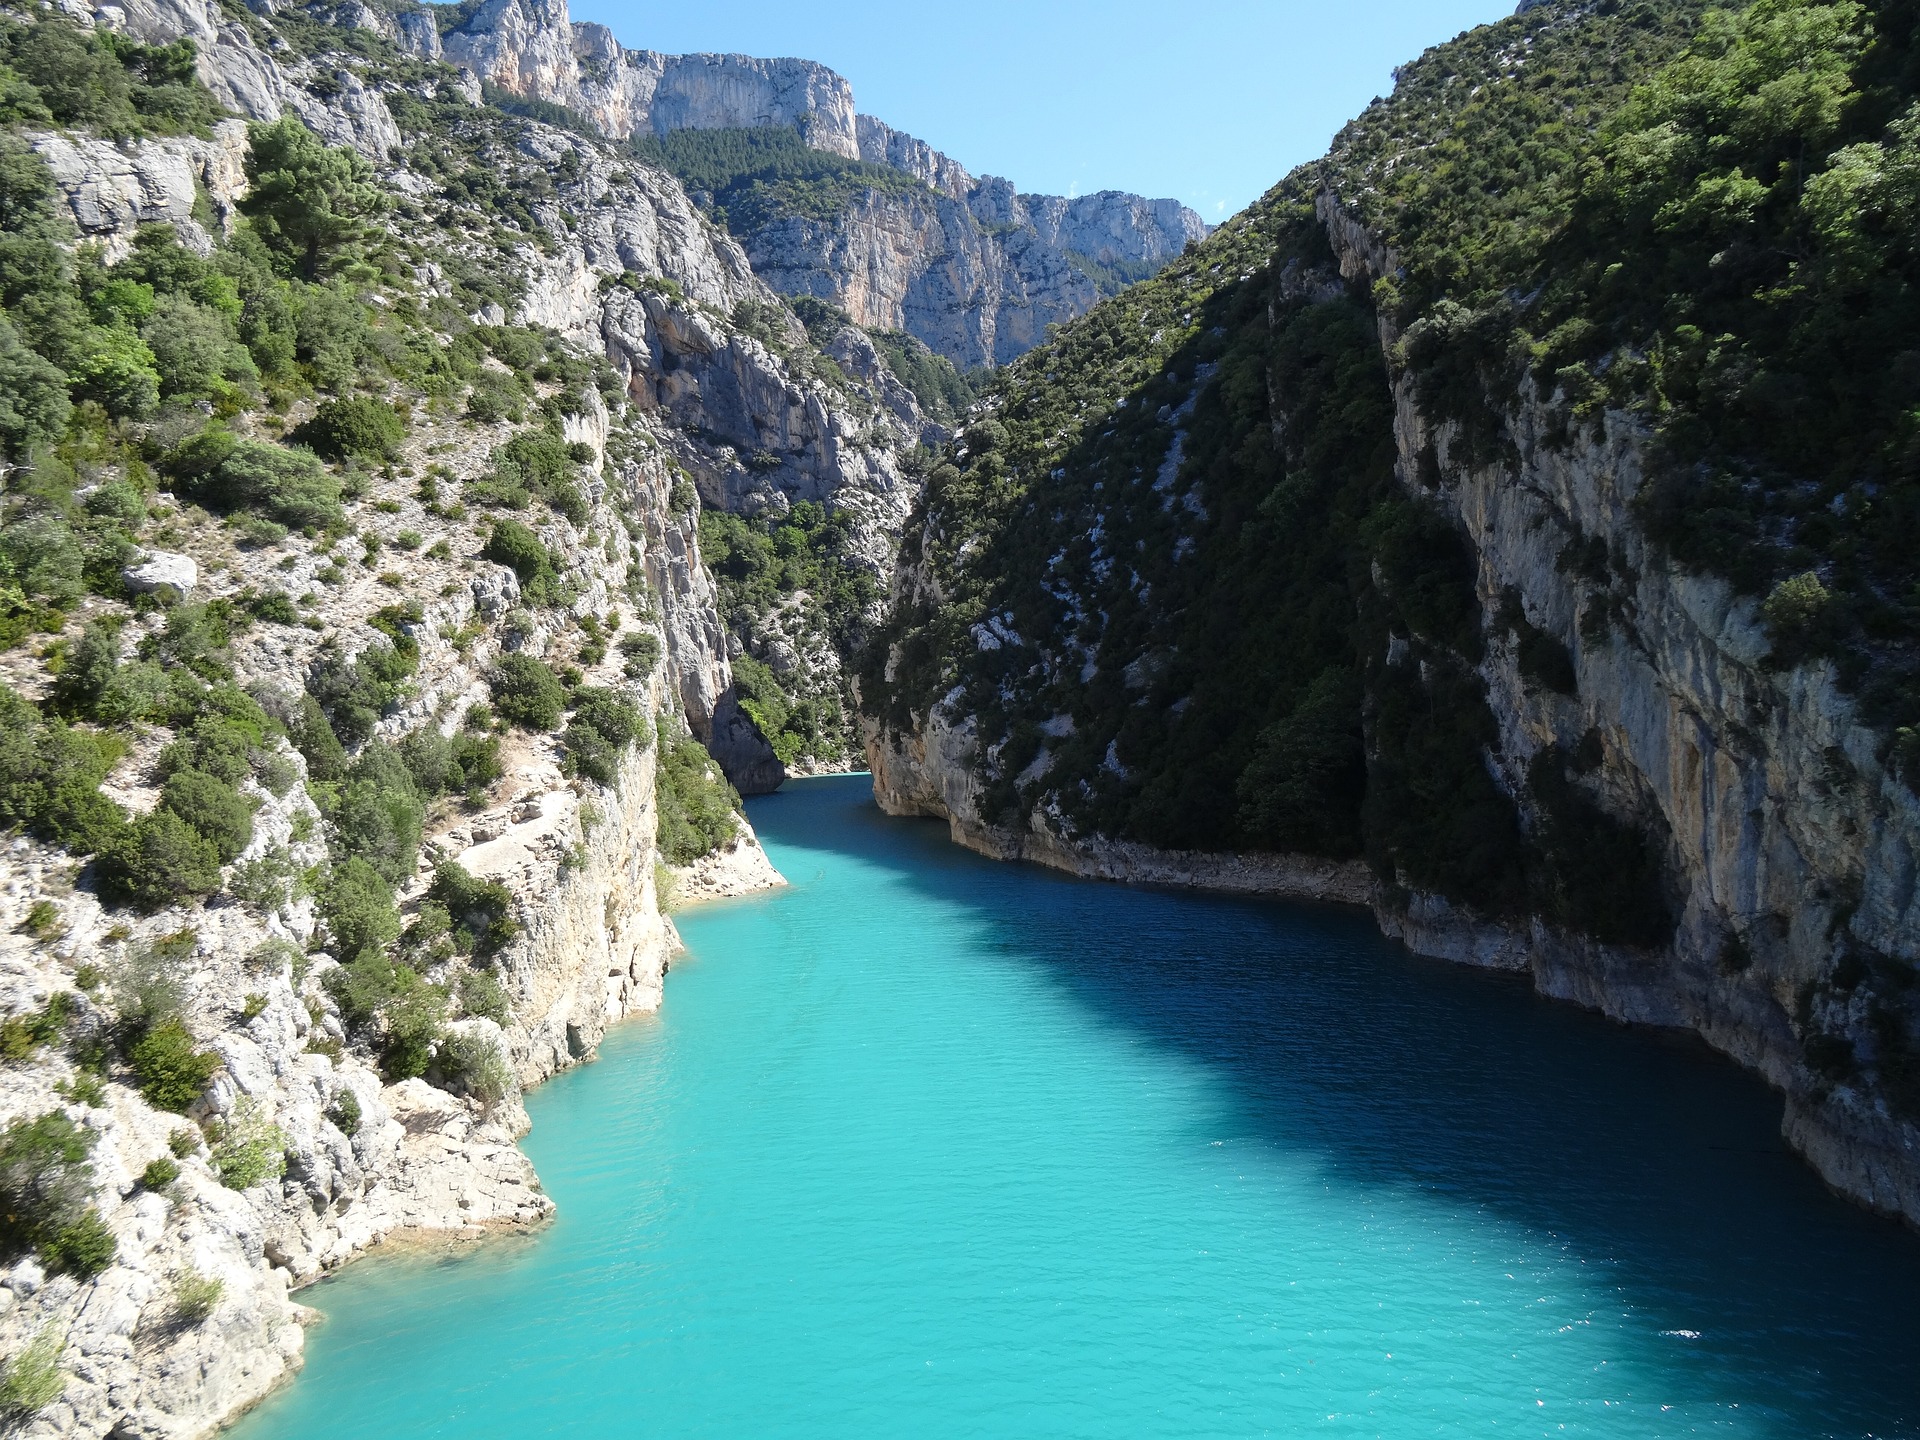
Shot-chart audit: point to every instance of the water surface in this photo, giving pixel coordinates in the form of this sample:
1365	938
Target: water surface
927	1145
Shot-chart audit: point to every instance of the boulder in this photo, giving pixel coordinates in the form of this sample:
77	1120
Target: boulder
162	570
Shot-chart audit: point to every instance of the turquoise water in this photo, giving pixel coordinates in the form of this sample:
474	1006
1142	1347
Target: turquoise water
931	1146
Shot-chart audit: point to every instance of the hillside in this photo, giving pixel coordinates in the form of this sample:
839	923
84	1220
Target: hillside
1506	522
367	690
828	203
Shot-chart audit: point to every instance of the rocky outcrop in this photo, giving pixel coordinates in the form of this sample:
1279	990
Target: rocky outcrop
1791	848
974	270
112	190
1788	849
531	48
929	773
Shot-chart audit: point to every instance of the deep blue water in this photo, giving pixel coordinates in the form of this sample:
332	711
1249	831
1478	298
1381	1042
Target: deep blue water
926	1145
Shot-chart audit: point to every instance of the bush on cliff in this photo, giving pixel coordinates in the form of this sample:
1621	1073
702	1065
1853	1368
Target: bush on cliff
46	1179
697	805
527	692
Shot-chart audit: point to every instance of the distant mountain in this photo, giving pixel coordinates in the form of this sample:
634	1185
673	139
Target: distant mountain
876	223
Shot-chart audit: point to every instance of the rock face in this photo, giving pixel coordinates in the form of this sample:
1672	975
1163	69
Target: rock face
532	49
974	270
977	277
1790	850
112	190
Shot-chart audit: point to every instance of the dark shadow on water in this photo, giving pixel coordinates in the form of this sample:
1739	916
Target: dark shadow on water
1642	1152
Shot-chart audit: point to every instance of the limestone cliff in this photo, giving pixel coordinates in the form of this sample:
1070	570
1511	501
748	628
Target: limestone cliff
708	393
1561	749
974	270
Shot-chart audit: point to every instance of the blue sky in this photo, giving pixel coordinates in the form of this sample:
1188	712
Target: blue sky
1207	100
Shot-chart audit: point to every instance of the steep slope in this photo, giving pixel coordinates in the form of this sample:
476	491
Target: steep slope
1507	521
356	652
902	239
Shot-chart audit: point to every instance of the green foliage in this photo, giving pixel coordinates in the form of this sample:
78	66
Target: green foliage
483	996
697	805
354	428
171	1072
228	473
534	463
642	651
195	1296
212	808
944	394
378	815
248	1149
474	1062
457	766
33	1379
353	694
53	72
50	778
604	724
392	1006
160	1173
310	203
480	911
357	905
46	1177
345	1113
761	176
527	692
519	549
82	1249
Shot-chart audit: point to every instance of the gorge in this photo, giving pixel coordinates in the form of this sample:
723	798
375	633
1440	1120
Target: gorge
450	459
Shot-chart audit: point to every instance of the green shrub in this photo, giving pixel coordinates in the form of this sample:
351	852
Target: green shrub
33	395
697	805
357	905
1301	790
160	1173
216	811
33	1379
379	815
248	1149
313	736
161	860
604	725
44	557
538	463
229	473
519	549
526	692
310	203
171	1072
355	693
395	1007
83	1248
480	912
358	427
120	373
195	1296
345	1113
474	1062
642	652
46	1177
482	996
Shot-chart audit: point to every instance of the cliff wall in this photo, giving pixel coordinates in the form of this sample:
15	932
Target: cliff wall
1784	847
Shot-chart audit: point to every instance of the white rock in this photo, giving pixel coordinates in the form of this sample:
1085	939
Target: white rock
162	570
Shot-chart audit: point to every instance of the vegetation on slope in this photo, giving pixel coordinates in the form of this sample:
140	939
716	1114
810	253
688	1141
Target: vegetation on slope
250	402
1173	559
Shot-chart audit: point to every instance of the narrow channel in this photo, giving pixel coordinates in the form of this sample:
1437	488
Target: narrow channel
926	1145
